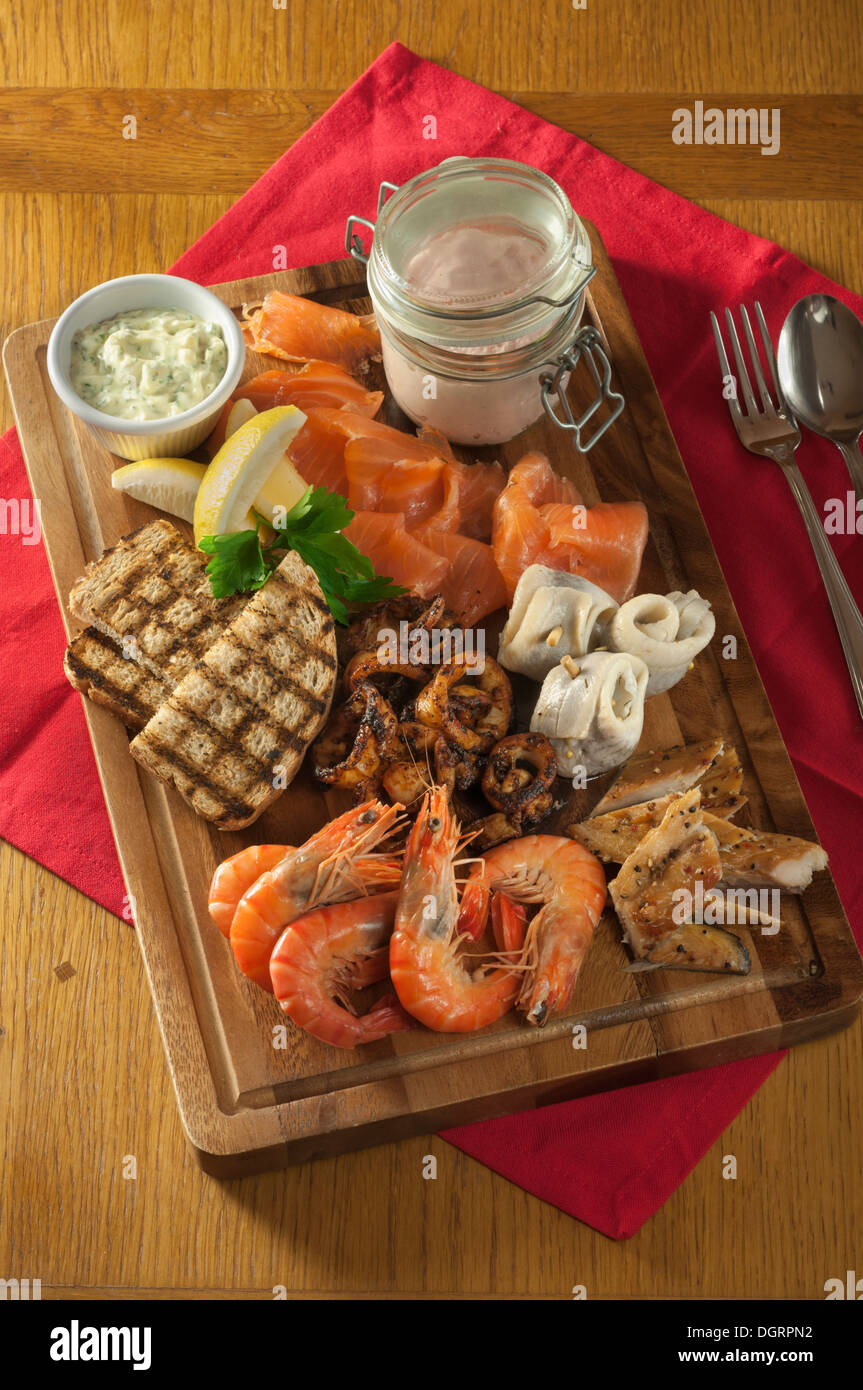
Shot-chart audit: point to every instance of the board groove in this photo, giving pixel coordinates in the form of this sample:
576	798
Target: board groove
247	1106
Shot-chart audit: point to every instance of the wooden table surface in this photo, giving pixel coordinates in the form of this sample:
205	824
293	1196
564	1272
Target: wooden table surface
219	91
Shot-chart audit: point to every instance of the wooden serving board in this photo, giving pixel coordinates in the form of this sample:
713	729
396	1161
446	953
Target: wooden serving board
248	1105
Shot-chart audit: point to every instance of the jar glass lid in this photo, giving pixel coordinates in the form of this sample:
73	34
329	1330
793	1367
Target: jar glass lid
475	240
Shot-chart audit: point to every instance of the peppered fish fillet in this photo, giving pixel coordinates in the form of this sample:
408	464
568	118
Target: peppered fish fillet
713	766
721	783
761	859
150	594
614	836
654	774
235	729
676	855
694	946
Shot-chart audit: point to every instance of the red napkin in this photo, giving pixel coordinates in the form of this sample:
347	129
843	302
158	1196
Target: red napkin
610	1160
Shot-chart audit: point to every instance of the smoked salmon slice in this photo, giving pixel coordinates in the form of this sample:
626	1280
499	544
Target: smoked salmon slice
447	516
316	385
519	533
301	330
474	586
395	552
379	468
606	549
411	486
318	451
438	442
447	496
539	518
540	484
479	486
461	569
381	443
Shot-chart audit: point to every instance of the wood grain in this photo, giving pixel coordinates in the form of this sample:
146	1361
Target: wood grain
72	140
536	45
794	1216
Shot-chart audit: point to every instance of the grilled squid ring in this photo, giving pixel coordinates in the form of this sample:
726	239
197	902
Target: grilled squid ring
492	830
431	759
406	779
472	708
367	666
359	741
519	777
456	767
418	737
362	635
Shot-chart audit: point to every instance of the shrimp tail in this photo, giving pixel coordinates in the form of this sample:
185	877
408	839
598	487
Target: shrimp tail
385	1017
368	971
508	922
474	909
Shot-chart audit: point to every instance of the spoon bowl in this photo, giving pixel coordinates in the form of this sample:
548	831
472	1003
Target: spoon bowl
820	364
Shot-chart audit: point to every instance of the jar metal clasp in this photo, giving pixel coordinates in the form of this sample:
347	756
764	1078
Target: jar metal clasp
586	344
353	241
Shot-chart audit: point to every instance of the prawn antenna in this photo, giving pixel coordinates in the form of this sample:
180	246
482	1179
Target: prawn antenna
427	781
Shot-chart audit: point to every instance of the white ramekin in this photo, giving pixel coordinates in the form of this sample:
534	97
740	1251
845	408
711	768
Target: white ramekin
143	439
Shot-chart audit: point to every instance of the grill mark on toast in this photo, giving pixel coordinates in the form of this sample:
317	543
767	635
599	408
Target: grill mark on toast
239	680
179	635
231	802
313	702
256	714
231	740
144	564
195	638
92	675
317	602
88	677
262	767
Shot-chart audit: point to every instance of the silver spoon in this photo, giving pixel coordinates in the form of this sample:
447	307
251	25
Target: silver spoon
820	362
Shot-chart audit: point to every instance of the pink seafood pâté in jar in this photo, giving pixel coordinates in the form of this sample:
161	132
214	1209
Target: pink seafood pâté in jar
476	272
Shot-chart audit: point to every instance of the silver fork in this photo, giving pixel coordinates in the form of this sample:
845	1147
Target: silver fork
772	431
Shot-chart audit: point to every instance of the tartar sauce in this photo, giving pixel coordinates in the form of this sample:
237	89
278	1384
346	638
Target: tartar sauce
148	364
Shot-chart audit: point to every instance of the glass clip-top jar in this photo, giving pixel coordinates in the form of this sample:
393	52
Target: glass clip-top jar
476	271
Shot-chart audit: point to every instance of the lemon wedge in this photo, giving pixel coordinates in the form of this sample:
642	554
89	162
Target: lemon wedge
282	489
250	468
239	414
232	415
169	484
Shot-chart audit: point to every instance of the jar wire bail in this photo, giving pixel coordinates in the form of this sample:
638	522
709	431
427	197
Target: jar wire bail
586	344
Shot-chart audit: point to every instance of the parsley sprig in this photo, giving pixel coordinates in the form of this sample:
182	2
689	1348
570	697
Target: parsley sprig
313	528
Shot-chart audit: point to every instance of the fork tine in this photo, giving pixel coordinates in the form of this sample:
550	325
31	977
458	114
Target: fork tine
766	401
743	375
724	365
771	360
